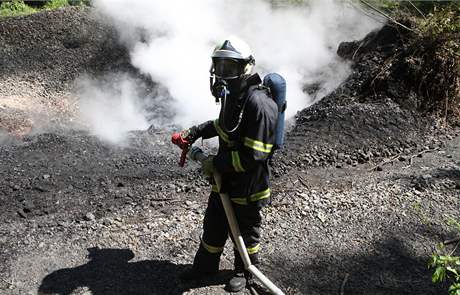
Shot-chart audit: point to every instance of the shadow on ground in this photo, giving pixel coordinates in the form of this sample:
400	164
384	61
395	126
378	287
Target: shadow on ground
451	176
389	269
110	272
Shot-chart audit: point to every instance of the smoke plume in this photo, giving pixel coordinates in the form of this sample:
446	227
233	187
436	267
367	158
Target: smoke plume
171	42
112	109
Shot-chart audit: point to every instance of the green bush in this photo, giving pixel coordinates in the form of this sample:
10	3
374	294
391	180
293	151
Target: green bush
433	44
411	7
431	6
18	7
446	265
80	2
54	4
15	7
442	20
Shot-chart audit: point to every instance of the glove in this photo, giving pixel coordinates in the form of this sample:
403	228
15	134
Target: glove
191	134
207	166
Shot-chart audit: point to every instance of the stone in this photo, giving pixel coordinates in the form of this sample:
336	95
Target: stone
321	217
90	217
21	213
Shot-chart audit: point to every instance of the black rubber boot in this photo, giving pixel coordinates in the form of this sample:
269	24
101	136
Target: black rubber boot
205	265
240	277
237	282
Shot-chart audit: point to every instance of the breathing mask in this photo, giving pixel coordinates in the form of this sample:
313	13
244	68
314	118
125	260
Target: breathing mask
232	61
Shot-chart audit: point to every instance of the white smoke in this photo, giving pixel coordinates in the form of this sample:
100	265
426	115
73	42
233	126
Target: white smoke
171	41
111	109
6	138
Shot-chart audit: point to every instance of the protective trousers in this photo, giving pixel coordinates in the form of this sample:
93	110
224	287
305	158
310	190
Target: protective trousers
216	232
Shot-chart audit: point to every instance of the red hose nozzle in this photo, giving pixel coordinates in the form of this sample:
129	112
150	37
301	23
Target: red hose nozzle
183	144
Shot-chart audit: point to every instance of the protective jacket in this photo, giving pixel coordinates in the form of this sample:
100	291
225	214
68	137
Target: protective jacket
242	158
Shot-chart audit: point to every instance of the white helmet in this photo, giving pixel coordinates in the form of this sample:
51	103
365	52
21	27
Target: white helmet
232	59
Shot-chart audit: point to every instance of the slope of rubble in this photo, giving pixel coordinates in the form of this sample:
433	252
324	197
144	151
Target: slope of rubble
41	55
360	122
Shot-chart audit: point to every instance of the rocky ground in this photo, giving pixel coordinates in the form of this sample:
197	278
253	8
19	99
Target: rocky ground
361	196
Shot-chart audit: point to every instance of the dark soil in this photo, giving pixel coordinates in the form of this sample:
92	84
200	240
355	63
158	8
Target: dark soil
56	47
418	72
42	170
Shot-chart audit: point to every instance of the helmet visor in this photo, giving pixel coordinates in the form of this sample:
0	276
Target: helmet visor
227	68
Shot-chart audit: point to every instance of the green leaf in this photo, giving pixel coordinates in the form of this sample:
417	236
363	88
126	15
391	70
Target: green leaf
439	275
433	261
454	289
452	270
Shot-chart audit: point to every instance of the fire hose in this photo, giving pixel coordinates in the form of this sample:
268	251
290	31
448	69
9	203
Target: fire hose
197	154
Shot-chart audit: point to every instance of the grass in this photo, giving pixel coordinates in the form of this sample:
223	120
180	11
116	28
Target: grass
54	4
15	8
18	7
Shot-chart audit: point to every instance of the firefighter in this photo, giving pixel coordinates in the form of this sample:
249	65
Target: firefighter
246	130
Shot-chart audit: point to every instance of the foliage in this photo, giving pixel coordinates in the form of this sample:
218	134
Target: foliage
389	5
54	4
411	7
18	7
429	61
444	20
447	266
15	8
431	6
427	16
441	27
80	2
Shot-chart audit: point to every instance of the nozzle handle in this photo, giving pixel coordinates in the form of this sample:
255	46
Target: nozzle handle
197	154
183	157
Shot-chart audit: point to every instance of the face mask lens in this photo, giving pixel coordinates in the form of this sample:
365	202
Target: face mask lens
227	68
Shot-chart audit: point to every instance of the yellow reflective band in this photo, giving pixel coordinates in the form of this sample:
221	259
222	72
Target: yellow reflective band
214	188
239	201
258	145
252	198
221	132
253	250
259	196
211	249
236	162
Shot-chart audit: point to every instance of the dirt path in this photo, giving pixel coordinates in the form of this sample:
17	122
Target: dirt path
375	228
